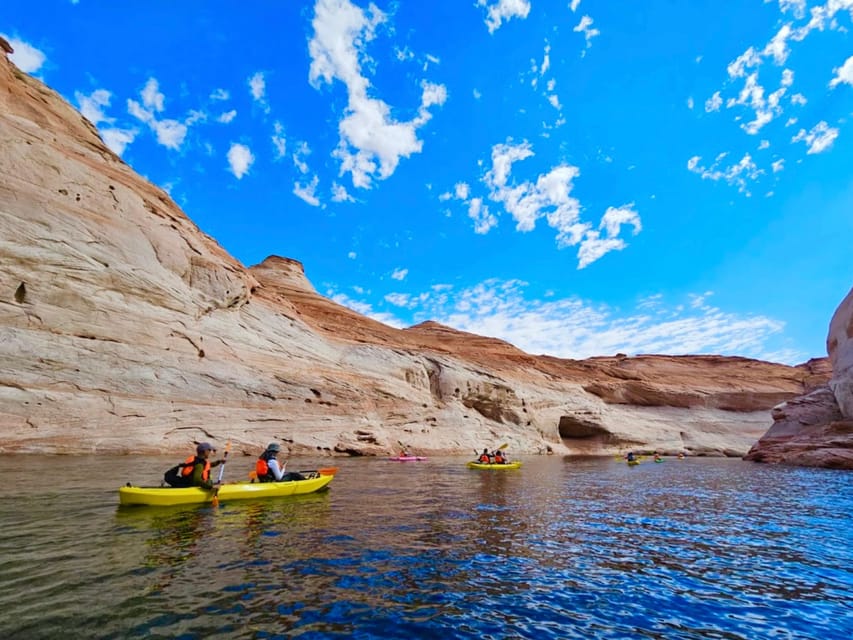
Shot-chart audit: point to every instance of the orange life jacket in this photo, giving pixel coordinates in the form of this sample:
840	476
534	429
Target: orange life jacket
484	458
189	465
499	459
262	469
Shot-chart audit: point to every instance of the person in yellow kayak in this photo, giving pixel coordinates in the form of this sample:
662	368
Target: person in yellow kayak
268	468
499	457
485	458
195	470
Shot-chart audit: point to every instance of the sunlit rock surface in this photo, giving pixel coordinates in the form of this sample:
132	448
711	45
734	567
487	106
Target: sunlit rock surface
817	429
125	329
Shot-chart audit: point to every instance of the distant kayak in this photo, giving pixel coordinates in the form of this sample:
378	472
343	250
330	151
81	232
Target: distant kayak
407	458
481	465
658	459
632	463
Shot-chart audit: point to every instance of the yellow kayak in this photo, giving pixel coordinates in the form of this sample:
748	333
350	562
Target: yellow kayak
481	465
168	496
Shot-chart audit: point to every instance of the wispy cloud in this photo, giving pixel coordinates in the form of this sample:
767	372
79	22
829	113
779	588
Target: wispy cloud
844	73
371	141
26	57
577	328
170	133
549	198
585	27
498	11
737	173
818	139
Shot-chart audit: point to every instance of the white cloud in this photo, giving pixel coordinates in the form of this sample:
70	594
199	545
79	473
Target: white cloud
798	7
714	102
736	174
152	98
25	56
818	139
279	141
778	165
399	274
844	73
585	27
118	139
573	5
220	94
352	255
576	328
798	98
503	10
764	144
170	133
593	246
690	102
462	190
240	158
92	106
302	152
339	193
371	141
227	117
257	86
479	213
307	191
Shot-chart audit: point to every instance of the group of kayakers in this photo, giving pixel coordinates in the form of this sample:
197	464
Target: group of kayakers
195	470
498	456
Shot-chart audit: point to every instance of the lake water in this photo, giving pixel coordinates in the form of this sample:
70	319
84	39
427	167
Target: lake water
561	548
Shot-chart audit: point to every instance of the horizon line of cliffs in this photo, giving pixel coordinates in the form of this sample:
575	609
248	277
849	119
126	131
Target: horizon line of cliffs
125	329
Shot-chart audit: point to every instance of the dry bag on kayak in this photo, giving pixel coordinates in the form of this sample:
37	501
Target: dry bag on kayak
173	477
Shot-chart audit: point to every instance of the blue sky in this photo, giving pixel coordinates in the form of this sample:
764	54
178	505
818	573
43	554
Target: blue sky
578	177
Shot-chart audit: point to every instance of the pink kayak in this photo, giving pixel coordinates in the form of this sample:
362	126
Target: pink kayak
407	458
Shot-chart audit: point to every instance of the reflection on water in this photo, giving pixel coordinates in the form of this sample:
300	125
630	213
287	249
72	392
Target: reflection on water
556	549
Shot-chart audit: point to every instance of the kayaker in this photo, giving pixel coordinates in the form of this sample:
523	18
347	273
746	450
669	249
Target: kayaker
268	468
196	469
499	457
630	456
485	458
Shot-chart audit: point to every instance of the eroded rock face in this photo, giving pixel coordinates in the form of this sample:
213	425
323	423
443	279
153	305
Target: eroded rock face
817	429
125	329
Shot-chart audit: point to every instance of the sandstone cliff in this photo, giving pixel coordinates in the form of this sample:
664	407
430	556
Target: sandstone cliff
817	429
124	328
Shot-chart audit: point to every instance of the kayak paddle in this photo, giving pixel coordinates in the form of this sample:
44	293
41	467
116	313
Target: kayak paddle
215	500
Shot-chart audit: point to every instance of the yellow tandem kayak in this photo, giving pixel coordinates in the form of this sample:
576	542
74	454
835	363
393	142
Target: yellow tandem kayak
168	496
481	465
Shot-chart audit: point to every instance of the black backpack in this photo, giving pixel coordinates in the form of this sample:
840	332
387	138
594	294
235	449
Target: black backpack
174	478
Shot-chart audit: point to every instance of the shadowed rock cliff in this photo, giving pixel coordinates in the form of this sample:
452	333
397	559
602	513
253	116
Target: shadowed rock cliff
124	328
817	429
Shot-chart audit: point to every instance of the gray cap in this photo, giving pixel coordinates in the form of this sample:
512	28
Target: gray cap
273	446
204	446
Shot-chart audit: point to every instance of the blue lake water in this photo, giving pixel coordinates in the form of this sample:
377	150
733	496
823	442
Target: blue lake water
561	548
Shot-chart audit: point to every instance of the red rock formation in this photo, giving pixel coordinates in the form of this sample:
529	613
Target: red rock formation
817	429
124	328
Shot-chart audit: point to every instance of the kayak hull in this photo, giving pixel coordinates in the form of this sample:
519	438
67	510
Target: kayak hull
168	496
407	458
481	465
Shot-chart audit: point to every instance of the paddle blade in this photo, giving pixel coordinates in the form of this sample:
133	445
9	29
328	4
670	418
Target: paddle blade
215	500
327	471
503	446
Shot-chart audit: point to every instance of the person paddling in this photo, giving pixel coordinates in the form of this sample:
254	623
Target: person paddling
195	470
268	468
485	458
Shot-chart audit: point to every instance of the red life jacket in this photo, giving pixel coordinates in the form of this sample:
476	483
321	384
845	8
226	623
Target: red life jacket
499	459
484	458
191	462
